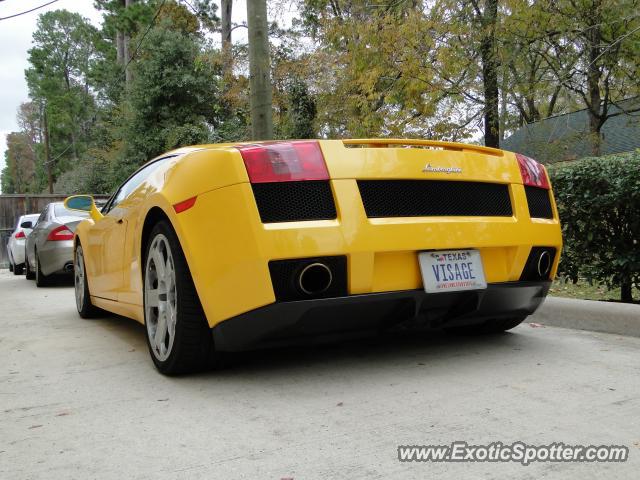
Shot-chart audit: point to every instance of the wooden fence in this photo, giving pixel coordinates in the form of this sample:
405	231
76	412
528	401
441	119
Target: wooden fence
12	206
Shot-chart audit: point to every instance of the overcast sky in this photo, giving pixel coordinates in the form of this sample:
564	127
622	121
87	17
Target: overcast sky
15	39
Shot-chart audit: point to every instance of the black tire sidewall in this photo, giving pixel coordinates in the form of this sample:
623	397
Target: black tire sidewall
174	364
28	273
41	279
88	310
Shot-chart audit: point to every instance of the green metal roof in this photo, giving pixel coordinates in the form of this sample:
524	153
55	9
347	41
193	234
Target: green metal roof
566	137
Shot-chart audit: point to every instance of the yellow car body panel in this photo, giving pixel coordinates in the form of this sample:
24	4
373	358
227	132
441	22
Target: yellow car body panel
228	248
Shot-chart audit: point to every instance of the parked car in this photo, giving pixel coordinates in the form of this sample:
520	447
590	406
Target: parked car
17	240
49	247
232	247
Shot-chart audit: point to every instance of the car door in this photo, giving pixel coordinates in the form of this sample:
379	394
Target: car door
38	235
103	257
107	238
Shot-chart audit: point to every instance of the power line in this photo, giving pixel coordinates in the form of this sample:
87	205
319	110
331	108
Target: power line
153	21
28	11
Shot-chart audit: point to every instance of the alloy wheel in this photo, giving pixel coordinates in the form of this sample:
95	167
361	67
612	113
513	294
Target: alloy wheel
160	298
78	278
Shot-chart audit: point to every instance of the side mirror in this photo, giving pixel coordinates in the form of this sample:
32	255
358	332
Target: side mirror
28	224
83	203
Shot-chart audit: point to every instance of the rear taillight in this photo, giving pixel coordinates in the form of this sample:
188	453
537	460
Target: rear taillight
60	233
533	173
284	162
20	234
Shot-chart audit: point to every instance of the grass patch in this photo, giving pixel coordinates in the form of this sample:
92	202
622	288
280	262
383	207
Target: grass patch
584	291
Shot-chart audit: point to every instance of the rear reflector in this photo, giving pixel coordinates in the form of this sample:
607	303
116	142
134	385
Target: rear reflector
20	234
284	162
185	204
533	173
60	233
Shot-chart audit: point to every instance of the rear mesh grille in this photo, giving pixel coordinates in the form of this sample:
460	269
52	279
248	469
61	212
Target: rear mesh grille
294	201
434	198
539	202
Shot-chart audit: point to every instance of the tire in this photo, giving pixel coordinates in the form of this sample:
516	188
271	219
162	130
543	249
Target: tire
172	303
18	269
29	275
42	280
10	266
81	286
488	327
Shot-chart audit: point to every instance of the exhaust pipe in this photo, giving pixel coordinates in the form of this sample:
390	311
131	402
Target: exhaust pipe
544	264
68	267
315	278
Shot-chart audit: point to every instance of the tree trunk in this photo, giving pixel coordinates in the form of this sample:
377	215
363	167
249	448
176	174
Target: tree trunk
503	103
126	49
47	150
259	71
120	48
594	39
626	291
490	75
227	6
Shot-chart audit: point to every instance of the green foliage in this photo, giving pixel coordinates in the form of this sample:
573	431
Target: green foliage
20	164
599	204
61	58
171	100
91	175
298	121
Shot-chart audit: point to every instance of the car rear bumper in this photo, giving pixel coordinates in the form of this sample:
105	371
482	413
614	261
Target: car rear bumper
229	250
17	252
56	257
318	320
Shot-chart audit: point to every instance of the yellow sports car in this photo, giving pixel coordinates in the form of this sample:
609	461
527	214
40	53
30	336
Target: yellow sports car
229	247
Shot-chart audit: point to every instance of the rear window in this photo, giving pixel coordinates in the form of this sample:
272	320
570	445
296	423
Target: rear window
26	218
61	211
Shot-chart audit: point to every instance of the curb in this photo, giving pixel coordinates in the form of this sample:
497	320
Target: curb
605	317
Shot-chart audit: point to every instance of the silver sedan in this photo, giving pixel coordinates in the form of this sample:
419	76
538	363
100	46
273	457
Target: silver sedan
15	246
49	248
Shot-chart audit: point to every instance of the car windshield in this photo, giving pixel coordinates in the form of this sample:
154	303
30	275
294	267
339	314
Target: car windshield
61	211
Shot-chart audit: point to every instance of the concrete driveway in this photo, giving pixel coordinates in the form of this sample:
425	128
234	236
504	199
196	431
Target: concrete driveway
81	399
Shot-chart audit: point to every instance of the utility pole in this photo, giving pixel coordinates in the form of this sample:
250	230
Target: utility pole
259	71
128	76
225	30
47	150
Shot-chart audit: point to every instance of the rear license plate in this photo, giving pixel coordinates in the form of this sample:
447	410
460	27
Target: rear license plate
452	270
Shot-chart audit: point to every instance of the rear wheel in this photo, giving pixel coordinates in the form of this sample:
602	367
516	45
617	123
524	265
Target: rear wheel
18	269
83	299
10	265
42	280
488	327
28	272
178	335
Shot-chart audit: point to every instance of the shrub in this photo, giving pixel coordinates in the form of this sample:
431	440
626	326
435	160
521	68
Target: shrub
599	204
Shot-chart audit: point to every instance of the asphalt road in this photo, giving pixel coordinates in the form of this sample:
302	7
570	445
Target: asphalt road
81	399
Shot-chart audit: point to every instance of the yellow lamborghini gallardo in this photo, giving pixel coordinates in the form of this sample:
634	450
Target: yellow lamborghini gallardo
229	247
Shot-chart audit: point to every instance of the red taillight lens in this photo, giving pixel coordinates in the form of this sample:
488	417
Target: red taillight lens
20	234
284	162
532	172
60	233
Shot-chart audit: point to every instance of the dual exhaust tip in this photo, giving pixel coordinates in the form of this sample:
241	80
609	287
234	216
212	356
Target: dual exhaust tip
315	279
